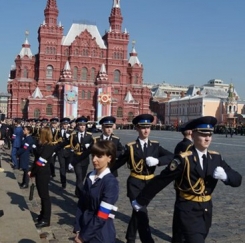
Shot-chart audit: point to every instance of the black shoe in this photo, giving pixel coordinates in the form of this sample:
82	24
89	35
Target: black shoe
64	185
38	219
1	213
41	224
24	186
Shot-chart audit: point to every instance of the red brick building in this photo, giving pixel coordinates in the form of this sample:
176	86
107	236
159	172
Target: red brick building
83	59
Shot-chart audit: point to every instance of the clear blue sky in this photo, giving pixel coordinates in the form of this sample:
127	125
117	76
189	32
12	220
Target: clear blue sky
181	42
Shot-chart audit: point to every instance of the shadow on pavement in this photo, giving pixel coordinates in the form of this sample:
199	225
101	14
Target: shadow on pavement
18	200
26	241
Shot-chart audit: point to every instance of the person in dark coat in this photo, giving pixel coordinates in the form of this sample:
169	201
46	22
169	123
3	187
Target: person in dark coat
24	155
196	173
181	147
81	142
40	169
142	157
16	143
107	123
94	217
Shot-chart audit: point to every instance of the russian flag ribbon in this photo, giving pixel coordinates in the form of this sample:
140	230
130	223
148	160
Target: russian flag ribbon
105	210
41	161
13	136
26	145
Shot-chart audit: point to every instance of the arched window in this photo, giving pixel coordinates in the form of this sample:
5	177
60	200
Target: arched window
49	110
25	72
75	71
119	112
37	113
92	74
130	116
83	94
117	76
84	74
66	52
89	95
49	71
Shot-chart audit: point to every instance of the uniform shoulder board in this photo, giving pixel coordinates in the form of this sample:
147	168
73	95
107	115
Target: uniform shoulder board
115	137
153	141
132	143
213	152
90	133
97	137
185	154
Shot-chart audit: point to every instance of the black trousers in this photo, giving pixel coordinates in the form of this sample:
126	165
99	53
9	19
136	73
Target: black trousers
81	172
25	178
42	184
52	165
63	161
139	221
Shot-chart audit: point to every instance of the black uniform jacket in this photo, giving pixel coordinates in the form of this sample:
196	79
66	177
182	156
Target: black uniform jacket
194	216
182	146
81	154
153	149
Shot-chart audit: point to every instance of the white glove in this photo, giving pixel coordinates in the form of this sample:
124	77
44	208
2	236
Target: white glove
87	145
151	161
136	206
67	135
70	167
34	146
53	154
219	174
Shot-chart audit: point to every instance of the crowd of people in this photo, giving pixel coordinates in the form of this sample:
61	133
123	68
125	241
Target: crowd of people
195	170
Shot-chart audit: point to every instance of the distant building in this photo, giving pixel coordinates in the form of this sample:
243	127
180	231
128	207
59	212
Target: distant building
221	101
4	103
80	73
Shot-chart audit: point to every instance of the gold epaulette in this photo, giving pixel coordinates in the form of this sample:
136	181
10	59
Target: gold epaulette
115	137
153	141
67	146
213	152
185	154
90	133
131	143
96	137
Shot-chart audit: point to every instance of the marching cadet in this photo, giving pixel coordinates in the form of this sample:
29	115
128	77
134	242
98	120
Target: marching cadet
54	122
37	129
81	142
107	124
196	173
44	122
142	157
64	153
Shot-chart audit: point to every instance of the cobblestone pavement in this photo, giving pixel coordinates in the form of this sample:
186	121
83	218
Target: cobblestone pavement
229	211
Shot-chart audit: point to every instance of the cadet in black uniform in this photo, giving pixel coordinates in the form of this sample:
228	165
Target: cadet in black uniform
55	139
142	156
81	142
64	153
107	124
196	173
181	147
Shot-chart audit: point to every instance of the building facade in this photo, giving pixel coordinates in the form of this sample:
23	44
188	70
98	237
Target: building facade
4	102
98	69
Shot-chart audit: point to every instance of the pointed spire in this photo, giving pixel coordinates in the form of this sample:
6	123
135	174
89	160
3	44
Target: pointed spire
133	59
26	50
129	98
51	13
66	74
103	77
37	93
116	4
116	18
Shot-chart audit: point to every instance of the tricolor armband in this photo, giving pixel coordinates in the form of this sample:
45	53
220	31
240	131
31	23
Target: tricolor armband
41	161
26	146
105	210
